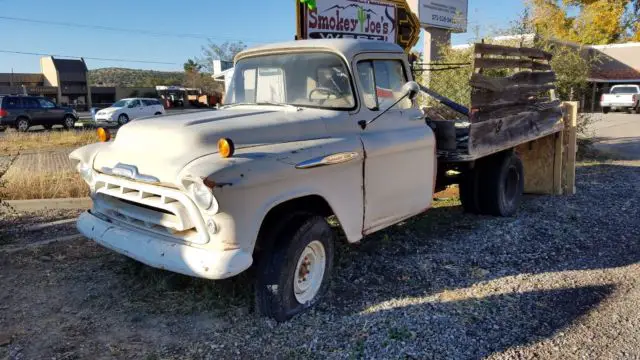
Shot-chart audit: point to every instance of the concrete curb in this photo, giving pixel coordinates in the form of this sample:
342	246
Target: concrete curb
50	204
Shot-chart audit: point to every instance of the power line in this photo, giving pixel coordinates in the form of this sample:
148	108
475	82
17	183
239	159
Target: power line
126	30
90	58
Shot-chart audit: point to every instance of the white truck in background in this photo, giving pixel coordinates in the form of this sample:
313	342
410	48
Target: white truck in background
621	97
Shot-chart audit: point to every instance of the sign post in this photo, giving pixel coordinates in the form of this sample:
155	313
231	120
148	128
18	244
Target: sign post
384	20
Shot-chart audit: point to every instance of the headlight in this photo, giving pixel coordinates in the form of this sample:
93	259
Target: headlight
86	172
201	195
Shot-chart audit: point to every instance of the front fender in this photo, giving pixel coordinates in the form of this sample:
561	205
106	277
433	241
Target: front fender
87	153
256	179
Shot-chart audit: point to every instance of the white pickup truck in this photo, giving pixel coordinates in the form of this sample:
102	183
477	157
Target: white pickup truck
310	129
621	97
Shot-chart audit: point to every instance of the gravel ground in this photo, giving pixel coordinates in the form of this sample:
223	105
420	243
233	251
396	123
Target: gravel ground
560	280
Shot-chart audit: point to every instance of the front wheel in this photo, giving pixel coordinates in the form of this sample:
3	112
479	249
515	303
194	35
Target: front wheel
123	119
295	274
605	110
69	122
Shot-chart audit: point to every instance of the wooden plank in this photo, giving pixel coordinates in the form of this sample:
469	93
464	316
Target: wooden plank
489	113
522	78
490	49
516	95
557	164
495	63
537	159
495	135
570	147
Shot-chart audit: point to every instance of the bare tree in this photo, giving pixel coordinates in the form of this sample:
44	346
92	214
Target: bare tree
212	51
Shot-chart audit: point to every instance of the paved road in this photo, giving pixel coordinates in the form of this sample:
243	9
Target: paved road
618	134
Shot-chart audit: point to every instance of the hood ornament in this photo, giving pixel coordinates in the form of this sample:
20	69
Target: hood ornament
129	172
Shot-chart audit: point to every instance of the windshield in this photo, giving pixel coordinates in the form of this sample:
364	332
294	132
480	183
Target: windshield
305	79
121	103
624	90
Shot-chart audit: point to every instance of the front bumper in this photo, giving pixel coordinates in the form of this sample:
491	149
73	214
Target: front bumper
106	118
153	251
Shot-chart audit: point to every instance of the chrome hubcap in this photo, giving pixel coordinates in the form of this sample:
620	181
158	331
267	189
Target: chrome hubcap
309	272
23	125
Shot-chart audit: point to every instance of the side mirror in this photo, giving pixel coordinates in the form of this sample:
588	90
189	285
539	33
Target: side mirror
411	90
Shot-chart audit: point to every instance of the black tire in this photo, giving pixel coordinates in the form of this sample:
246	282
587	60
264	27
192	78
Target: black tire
502	184
69	122
158	113
23	124
48	127
123	119
605	110
277	267
470	191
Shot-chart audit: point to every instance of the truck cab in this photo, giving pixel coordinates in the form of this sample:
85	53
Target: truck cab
309	129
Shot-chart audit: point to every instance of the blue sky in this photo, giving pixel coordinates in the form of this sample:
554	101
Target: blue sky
267	21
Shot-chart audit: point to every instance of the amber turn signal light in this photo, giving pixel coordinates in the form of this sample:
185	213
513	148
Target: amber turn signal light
226	148
103	134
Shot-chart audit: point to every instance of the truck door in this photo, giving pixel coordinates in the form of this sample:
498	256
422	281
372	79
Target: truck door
399	165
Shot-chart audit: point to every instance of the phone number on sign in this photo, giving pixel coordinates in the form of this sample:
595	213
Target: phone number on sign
442	18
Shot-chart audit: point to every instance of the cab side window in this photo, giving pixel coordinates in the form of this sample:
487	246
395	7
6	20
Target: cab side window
382	82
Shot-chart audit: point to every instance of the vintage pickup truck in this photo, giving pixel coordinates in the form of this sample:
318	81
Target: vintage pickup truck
310	129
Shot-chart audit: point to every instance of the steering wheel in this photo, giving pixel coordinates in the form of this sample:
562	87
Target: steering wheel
325	90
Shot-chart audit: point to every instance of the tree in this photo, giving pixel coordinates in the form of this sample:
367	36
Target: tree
212	51
587	22
191	65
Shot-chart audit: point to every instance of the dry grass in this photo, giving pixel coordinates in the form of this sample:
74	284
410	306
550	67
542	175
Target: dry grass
15	142
48	185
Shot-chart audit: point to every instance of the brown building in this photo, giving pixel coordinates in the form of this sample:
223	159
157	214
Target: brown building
63	80
66	82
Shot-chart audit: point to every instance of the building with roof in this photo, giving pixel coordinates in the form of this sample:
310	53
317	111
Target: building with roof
64	81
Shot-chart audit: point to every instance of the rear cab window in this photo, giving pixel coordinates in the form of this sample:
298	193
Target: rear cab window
624	90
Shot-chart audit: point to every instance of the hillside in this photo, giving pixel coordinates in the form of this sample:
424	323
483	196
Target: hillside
134	77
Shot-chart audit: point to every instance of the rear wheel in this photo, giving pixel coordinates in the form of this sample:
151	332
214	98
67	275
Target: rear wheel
158	113
502	185
22	124
295	274
605	110
69	122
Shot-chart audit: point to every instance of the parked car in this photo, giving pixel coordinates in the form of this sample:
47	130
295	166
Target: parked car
22	112
125	110
625	97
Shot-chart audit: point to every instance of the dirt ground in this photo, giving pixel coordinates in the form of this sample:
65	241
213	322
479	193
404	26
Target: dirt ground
560	280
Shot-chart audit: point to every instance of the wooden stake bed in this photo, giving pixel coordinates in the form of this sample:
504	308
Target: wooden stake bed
506	111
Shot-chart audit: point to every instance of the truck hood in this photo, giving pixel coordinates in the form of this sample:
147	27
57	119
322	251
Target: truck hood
162	146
